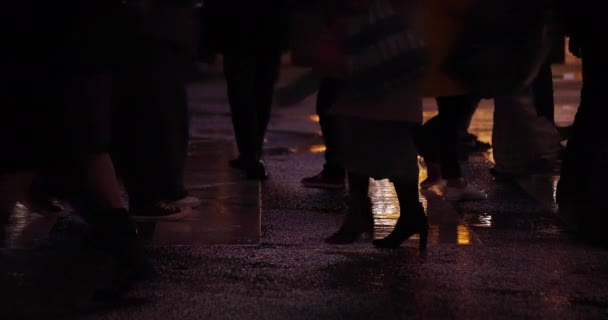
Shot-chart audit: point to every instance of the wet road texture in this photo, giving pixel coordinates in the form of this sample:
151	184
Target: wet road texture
255	250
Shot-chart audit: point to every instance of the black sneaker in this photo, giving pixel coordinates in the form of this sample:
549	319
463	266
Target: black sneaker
160	211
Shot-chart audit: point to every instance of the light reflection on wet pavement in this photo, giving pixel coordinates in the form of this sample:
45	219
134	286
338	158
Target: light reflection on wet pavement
233	205
445	221
504	258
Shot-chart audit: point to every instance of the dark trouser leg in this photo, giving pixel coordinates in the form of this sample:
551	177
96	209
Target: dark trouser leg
428	140
582	187
266	74
542	88
151	126
454	112
239	70
131	164
87	109
358	187
176	131
443	133
467	117
582	180
326	97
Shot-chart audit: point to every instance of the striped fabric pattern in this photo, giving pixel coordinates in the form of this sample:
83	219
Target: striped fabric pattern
382	54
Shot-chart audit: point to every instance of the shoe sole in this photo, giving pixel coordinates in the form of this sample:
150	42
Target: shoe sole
173	217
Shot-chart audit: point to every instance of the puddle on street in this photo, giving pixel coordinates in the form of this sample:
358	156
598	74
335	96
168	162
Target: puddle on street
315	148
385	207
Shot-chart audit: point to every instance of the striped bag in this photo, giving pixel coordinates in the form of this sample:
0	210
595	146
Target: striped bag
382	54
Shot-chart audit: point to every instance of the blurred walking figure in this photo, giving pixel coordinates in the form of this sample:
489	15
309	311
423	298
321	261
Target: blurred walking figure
57	109
525	143
151	123
440	144
333	174
581	191
502	63
252	36
377	113
307	20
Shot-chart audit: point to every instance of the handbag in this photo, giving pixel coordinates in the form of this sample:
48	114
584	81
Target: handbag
372	50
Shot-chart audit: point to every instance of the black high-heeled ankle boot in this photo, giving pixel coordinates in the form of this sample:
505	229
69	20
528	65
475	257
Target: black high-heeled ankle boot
407	226
359	220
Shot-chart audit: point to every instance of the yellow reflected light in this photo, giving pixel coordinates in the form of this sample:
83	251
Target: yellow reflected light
317	148
464	236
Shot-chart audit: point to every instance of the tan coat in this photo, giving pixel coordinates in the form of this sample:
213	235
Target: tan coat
442	24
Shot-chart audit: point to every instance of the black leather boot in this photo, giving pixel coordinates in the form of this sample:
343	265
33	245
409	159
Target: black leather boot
409	224
358	221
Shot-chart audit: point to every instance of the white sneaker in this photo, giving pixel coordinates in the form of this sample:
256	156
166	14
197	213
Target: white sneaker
464	194
188	201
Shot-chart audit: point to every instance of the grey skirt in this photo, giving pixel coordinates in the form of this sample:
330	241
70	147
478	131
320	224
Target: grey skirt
377	148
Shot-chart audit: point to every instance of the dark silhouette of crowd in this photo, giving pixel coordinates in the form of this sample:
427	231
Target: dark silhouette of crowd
93	98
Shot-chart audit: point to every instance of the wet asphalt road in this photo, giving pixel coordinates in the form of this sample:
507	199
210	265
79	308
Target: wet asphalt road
505	258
